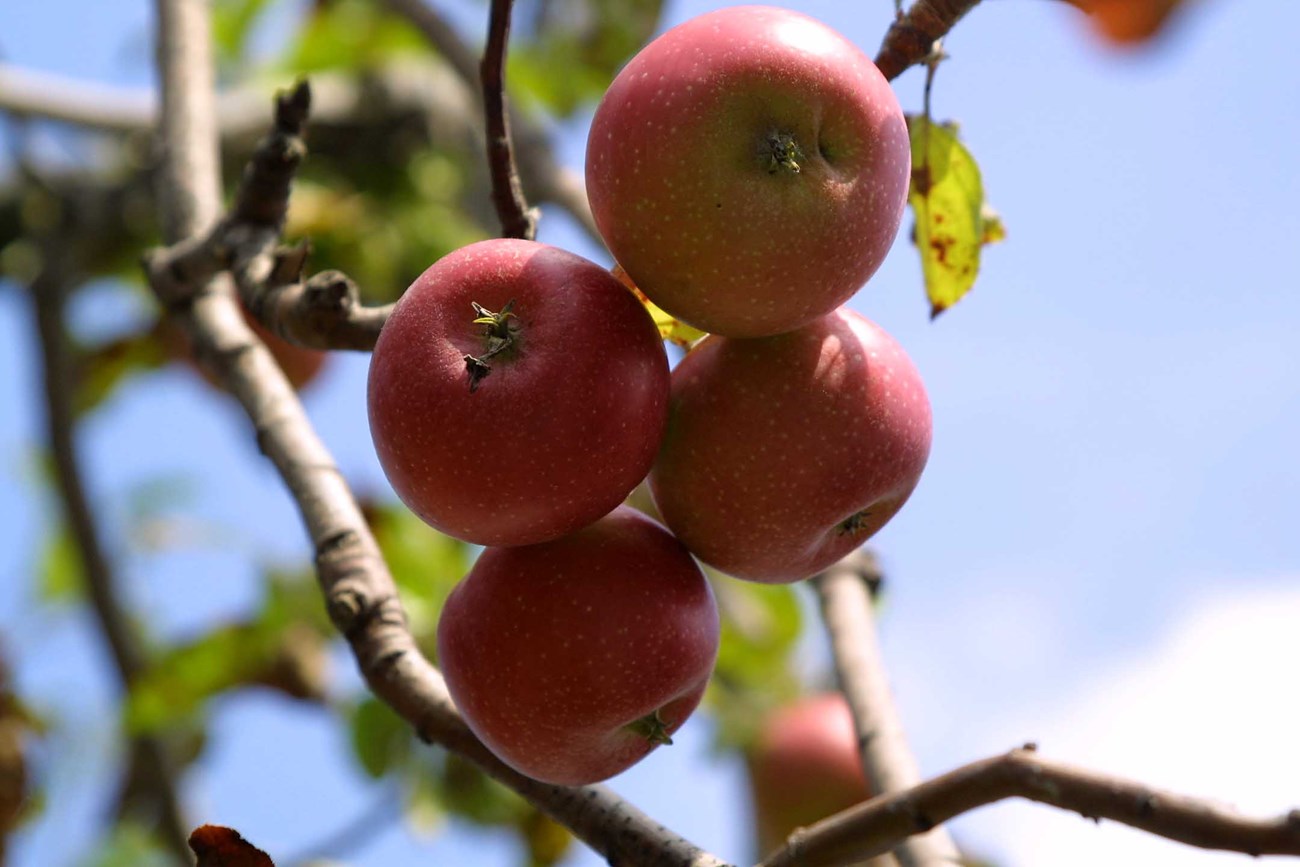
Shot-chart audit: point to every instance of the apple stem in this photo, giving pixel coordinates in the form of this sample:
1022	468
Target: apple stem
651	727
500	336
783	153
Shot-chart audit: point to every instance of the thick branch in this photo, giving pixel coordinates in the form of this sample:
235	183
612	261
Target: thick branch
48	295
845	602
911	37
881	822
517	219
359	590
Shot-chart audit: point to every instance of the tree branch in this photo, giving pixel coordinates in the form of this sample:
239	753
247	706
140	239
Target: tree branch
911	37
48	293
536	159
359	591
880	823
845	602
517	219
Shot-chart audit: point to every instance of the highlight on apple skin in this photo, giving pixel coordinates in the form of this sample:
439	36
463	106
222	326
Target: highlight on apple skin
749	170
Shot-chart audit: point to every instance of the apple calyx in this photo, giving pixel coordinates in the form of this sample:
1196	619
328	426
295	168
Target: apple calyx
783	153
499	335
855	522
651	727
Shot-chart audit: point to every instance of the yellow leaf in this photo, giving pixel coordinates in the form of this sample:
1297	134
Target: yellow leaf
670	329
953	222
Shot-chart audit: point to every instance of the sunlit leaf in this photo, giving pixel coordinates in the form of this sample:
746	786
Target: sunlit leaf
232	22
947	197
129	846
352	34
670	329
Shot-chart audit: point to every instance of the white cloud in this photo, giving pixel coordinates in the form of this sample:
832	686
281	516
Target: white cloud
1213	710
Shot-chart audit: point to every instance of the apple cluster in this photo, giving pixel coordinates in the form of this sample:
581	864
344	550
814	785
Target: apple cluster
748	170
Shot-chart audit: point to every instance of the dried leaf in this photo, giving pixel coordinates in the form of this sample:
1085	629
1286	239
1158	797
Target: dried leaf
223	847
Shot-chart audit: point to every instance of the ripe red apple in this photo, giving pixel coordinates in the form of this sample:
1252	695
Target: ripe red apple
749	170
803	766
785	453
573	659
517	393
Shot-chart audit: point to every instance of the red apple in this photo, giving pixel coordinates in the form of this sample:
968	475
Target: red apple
749	170
517	393
573	659
785	453
804	765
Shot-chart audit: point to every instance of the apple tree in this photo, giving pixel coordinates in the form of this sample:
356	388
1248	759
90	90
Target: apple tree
252	227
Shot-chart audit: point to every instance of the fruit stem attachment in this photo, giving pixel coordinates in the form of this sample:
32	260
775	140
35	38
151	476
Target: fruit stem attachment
651	727
500	337
855	522
783	153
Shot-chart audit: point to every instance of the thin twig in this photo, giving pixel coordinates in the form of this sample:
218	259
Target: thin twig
48	293
846	609
545	179
911	37
517	219
359	591
880	823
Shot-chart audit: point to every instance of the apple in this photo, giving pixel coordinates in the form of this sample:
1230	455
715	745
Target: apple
804	765
573	659
517	393
1128	22
784	453
749	170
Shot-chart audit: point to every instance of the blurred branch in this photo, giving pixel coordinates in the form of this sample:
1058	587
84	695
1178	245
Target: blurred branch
157	776
450	105
323	312
545	179
880	823
911	37
359	591
517	219
845	599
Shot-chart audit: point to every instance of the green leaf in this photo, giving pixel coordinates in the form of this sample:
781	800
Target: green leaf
130	845
425	564
177	684
953	222
101	369
352	34
761	626
232	22
381	740
60	578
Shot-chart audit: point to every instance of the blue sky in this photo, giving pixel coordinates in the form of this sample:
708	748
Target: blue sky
1103	555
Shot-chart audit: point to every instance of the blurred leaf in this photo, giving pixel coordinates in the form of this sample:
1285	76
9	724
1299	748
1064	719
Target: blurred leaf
947	196
60	579
570	55
103	368
547	841
381	740
129	846
761	625
425	564
465	790
283	648
670	329
216	846
352	34
232	22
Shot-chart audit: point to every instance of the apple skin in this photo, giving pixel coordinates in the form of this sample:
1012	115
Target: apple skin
689	191
552	651
555	436
785	453
804	765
